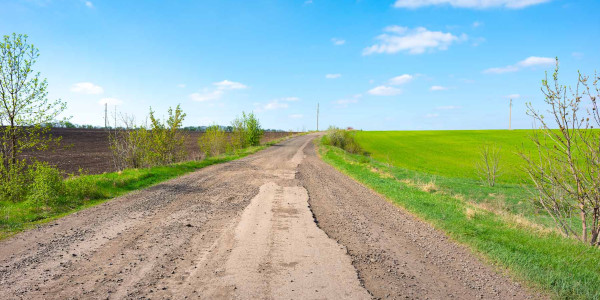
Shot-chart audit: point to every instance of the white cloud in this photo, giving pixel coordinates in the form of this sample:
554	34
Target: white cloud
532	61
229	85
338	42
447	107
413	41
438	88
275	104
216	93
536	61
432	115
110	101
87	88
89	4
513	96
333	76
477	24
206	95
296	116
181	85
577	55
383	90
290	99
307	2
479	4
402	79
345	102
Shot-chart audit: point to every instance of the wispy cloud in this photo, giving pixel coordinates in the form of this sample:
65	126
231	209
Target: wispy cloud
281	103
181	85
383	90
275	104
347	101
217	92
577	55
413	41
477	24
333	76
532	61
296	116
447	107
338	42
432	115
110	101
87	88
438	88
89	4
229	85
513	96
402	79
206	95
478	4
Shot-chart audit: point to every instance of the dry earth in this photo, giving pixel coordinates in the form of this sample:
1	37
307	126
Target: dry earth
245	230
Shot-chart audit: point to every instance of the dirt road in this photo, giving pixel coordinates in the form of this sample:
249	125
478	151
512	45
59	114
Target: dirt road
277	224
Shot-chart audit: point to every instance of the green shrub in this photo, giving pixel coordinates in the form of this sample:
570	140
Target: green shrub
81	188
214	141
47	184
343	139
14	182
166	141
253	130
246	131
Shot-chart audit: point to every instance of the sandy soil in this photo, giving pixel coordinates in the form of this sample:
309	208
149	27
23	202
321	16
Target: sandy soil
245	230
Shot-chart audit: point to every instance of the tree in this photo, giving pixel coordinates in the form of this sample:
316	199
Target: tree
566	168
24	106
488	165
167	142
253	130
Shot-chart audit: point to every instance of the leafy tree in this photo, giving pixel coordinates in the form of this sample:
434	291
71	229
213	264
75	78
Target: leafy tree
214	141
253	130
24	107
167	142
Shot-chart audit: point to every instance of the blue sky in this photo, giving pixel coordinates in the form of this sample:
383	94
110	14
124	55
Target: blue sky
374	65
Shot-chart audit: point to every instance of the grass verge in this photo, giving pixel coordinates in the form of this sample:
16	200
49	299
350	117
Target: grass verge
545	259
96	189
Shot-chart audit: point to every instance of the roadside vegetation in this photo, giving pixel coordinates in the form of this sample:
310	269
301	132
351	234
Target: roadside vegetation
32	192
526	200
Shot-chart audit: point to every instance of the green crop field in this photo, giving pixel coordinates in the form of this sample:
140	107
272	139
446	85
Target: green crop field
448	153
433	175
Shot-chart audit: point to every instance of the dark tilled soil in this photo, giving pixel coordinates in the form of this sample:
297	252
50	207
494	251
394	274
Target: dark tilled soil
88	149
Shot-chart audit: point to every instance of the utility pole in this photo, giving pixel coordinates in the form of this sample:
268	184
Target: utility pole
317	116
510	115
105	115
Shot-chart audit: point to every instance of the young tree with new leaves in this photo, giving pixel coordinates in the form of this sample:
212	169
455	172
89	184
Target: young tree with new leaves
24	106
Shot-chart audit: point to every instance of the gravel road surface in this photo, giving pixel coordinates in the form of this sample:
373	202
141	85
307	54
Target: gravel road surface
279	224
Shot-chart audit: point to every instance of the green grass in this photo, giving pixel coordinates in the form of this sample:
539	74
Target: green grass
451	153
565	268
16	217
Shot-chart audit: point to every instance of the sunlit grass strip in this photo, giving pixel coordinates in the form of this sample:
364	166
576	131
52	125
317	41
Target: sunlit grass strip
564	267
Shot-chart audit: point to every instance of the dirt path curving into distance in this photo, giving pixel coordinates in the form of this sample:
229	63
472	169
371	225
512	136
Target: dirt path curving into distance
245	230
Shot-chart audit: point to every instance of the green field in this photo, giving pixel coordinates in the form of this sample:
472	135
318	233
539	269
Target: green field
448	153
432	174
